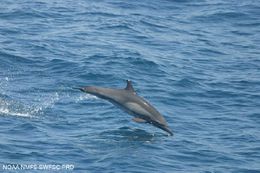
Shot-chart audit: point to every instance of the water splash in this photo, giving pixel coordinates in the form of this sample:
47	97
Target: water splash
6	111
23	108
3	84
16	108
84	97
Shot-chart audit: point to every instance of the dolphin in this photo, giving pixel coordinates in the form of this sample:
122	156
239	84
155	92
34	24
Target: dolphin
128	100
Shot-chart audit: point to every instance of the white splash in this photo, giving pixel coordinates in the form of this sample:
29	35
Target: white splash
85	97
6	111
14	108
45	103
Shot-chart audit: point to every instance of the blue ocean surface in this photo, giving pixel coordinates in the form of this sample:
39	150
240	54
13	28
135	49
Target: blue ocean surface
196	61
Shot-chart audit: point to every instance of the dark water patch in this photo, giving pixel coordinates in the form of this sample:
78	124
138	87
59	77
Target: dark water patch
9	58
221	93
187	83
126	133
57	66
246	85
247	24
24	127
255	116
154	25
223	16
98	76
241	33
211	52
20	14
117	27
100	14
136	61
206	41
124	5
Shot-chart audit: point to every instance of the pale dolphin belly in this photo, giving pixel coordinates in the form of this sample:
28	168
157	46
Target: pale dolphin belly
133	109
136	109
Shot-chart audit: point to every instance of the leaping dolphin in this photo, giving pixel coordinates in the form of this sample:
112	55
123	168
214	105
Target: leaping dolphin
129	101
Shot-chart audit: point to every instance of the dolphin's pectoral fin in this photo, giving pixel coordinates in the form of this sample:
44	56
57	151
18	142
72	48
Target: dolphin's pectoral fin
139	120
130	87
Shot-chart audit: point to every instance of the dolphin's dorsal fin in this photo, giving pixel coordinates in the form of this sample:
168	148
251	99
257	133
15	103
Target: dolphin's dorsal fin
129	86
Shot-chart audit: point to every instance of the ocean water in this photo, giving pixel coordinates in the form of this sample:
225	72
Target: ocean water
197	62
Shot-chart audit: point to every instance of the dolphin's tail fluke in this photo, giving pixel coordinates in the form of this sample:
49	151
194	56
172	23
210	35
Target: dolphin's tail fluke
166	128
77	88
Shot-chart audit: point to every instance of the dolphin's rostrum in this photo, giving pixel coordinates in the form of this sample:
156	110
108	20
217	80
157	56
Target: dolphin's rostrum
128	100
